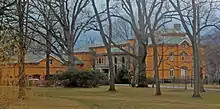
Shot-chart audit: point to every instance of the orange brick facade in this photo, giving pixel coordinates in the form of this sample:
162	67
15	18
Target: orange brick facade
175	60
9	74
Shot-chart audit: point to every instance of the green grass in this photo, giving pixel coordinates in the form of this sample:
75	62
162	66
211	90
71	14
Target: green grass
124	98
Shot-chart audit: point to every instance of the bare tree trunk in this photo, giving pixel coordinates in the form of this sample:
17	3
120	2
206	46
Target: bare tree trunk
106	43
142	79
156	73
196	71
71	60
47	64
48	55
136	64
21	52
199	51
112	75
195	53
48	43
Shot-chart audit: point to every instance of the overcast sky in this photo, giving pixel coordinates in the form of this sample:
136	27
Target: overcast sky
96	36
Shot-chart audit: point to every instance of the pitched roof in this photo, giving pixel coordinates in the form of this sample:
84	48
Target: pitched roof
35	59
83	48
173	40
77	61
29	58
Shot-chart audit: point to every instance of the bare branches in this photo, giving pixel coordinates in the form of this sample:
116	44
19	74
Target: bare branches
5	6
63	20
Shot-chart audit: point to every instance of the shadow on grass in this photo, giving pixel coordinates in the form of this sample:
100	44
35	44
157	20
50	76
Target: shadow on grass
178	90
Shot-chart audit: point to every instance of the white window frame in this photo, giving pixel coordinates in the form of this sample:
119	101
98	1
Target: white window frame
172	72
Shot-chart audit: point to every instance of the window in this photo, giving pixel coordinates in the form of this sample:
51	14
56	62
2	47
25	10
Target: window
183	55
116	61
183	71
171	72
184	44
51	61
100	61
171	56
123	60
116	69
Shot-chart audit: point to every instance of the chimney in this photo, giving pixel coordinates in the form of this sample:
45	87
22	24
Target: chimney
177	27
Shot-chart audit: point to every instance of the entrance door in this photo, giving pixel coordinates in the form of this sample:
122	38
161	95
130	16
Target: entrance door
183	72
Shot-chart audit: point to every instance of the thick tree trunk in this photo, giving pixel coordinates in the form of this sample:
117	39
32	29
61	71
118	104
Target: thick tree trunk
135	64
156	73
21	82
111	69
142	78
195	46
71	59
107	43
199	51
196	71
21	52
112	74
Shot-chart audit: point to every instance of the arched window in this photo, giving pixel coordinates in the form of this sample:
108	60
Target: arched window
171	56
183	71
171	72
100	61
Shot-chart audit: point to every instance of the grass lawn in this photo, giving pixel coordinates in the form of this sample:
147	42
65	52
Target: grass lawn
99	98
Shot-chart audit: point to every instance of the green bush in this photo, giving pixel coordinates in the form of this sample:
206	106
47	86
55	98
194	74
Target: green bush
123	76
85	79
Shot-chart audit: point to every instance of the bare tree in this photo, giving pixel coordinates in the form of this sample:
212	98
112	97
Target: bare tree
5	4
212	65
64	21
14	20
21	7
141	36
106	41
145	24
7	46
195	20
